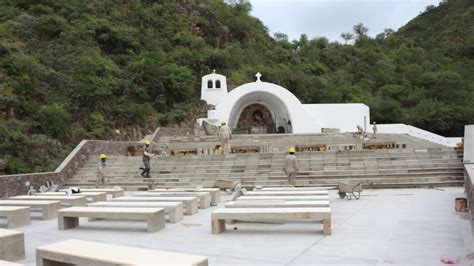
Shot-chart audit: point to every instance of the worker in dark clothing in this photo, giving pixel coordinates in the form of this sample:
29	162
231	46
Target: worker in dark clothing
146	159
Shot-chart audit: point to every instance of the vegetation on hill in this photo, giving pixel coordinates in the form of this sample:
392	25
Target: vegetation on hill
75	69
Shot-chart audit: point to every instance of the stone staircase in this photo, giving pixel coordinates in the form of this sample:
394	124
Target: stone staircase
426	165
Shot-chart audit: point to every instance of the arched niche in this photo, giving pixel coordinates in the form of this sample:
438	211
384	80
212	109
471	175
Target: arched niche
268	104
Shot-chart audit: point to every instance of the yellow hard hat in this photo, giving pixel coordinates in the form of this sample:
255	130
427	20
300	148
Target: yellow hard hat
292	150
102	156
223	123
147	142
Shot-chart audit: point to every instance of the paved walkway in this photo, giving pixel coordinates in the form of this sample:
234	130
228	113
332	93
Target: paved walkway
384	227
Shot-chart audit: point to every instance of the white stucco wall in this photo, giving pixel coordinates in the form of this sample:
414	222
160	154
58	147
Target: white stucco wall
345	116
301	121
418	133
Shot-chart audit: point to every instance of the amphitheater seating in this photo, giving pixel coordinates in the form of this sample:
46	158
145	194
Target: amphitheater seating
420	163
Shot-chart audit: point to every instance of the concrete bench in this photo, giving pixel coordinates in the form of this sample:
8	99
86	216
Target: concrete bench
16	216
49	208
190	203
294	188
277	204
12	245
79	252
292	198
173	209
287	193
69	218
218	217
204	197
70	200
215	192
115	193
93	196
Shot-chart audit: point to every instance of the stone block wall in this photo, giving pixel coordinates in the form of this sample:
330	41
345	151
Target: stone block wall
469	169
13	185
469	190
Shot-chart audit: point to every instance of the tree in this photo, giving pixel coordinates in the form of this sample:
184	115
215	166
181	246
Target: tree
53	120
360	31
384	35
347	36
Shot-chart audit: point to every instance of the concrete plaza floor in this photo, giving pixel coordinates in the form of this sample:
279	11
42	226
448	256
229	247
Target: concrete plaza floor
384	227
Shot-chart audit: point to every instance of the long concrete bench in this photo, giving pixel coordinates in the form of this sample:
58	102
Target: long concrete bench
215	192
49	208
69	218
79	252
204	197
70	200
16	216
218	217
173	209
294	188
288	198
277	204
115	193
93	196
12	245
190	203
287	193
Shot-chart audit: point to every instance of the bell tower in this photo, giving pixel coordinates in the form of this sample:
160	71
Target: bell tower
213	88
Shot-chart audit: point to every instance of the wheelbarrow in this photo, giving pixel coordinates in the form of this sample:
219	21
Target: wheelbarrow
349	190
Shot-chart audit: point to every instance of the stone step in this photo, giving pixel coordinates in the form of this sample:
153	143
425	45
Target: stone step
379	184
420	177
327	171
164	167
302	156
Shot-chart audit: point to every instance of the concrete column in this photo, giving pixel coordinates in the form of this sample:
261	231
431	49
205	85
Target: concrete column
469	144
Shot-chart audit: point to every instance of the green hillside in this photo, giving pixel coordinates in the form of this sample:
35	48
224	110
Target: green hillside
75	69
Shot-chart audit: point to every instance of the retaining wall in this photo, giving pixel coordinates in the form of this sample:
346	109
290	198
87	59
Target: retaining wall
13	185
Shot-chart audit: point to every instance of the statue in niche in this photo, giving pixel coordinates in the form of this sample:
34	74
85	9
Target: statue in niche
257	124
257	118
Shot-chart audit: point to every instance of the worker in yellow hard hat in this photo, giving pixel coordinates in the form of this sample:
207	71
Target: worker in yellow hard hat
146	159
291	166
225	135
100	181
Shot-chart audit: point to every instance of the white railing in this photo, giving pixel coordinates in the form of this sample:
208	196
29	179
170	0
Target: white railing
418	133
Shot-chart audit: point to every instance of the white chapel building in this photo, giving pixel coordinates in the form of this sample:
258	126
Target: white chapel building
263	107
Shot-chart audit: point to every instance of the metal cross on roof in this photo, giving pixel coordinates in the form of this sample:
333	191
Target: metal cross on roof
258	75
